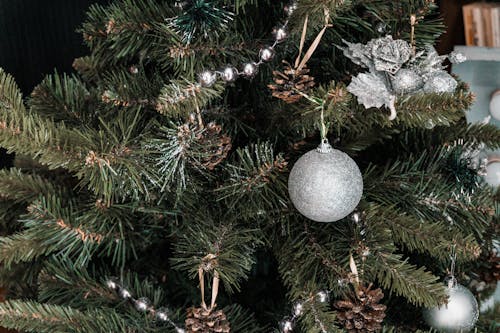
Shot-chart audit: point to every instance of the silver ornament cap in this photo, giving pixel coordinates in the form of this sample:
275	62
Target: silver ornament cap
459	315
325	184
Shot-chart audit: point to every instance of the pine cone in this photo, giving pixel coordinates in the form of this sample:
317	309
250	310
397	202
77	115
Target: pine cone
202	320
217	146
289	82
362	313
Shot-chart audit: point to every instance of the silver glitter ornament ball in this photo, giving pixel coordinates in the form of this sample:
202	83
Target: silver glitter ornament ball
440	82
459	315
325	185
406	81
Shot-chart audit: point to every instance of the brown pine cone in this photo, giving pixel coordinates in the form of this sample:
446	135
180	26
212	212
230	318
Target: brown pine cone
290	82
200	320
362	313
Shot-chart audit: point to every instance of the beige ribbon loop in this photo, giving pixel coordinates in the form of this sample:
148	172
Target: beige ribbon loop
215	284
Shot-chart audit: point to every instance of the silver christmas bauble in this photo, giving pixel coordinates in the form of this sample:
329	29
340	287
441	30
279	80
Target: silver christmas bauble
250	69
207	78
325	184
492	176
267	54
458	316
229	74
440	82
406	81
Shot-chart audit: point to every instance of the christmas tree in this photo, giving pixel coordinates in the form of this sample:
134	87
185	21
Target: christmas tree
248	166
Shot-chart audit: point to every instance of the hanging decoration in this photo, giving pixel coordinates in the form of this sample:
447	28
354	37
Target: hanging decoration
249	70
395	68
325	184
461	311
143	304
207	319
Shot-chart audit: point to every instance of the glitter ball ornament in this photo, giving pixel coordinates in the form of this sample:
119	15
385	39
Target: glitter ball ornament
406	81
459	315
250	69
229	74
207	78
325	184
440	82
266	54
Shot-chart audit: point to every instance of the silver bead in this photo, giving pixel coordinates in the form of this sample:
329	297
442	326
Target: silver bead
142	304
323	296
290	8
180	330
406	81
229	74
113	284
286	325
460	314
381	27
133	69
250	69
325	186
298	309
267	54
280	34
124	293
162	314
207	78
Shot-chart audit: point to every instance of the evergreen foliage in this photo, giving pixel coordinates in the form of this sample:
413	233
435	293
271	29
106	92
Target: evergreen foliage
139	172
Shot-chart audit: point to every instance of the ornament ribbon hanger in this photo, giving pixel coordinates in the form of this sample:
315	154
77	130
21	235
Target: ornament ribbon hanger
215	284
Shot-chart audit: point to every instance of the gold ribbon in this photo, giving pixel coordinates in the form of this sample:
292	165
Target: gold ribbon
215	283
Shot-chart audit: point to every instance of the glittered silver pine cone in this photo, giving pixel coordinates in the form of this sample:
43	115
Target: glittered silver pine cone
325	185
460	314
406	81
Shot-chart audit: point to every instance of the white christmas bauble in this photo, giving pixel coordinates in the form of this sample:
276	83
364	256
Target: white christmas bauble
495	105
458	316
492	176
325	184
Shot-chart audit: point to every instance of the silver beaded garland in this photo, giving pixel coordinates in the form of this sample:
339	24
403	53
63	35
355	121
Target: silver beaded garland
112	283
298	309
124	293
460	314
229	74
286	325
280	34
162	314
325	184
207	78
142	304
406	81
267	54
250	69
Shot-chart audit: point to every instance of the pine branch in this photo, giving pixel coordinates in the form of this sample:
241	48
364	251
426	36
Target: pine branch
21	187
182	98
44	318
400	278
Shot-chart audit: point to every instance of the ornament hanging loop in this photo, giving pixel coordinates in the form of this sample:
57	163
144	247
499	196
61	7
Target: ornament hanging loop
452	281
215	283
